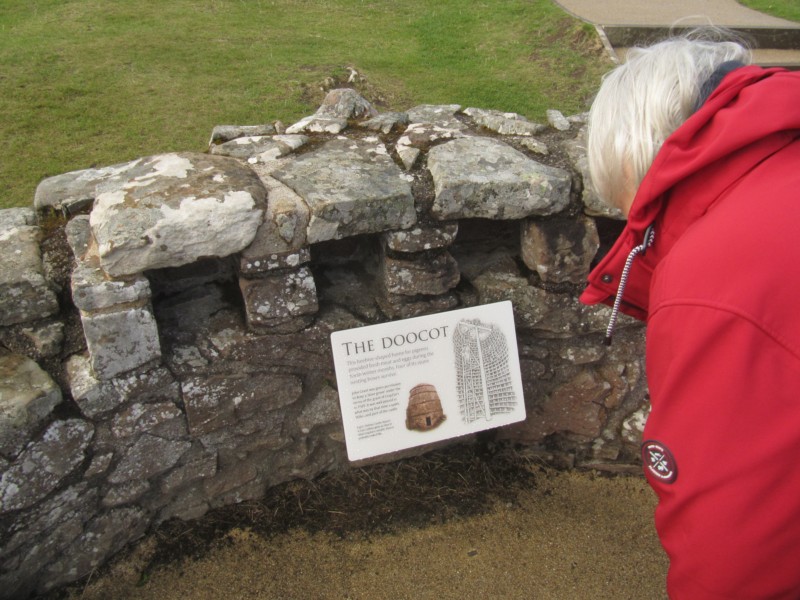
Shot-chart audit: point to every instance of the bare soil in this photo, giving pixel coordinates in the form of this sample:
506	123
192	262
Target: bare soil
464	522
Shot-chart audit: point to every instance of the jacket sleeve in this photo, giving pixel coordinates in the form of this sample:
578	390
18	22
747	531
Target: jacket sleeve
726	413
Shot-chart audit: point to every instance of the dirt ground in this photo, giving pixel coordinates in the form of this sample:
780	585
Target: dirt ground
458	523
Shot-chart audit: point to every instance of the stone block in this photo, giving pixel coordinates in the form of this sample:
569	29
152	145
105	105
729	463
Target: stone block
93	290
225	133
593	204
386	122
79	235
351	187
163	419
429	273
398	306
557	120
44	464
95	397
27	398
285	222
440	114
262	148
486	178
255	266
75	191
25	294
124	493
149	456
560	250
504	123
549	315
201	465
173	209
575	407
281	295
121	341
103	537
420	238
322	410
220	402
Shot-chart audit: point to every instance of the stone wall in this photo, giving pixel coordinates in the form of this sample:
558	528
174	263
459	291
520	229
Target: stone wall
165	322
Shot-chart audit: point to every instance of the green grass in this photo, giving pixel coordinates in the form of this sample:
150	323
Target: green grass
91	82
785	9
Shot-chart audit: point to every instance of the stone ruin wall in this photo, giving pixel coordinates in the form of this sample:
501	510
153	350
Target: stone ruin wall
165	323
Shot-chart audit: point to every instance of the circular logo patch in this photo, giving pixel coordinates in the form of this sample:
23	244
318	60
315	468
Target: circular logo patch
659	462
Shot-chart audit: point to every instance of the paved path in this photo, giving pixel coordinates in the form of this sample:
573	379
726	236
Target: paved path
626	22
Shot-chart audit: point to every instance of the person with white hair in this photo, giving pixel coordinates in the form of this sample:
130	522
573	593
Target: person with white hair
701	151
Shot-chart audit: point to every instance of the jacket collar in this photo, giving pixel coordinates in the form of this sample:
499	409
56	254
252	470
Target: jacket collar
669	197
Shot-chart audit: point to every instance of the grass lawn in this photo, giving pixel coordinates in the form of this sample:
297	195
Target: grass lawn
786	9
91	82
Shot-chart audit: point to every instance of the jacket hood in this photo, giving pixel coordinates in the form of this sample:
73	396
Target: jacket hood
753	113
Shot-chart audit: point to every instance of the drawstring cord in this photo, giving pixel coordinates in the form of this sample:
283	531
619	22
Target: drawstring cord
649	237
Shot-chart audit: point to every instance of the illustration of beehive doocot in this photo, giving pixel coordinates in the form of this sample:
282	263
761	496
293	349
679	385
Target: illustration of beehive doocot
424	411
483	375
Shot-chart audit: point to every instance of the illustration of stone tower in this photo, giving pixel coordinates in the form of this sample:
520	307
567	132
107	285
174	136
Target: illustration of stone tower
483	374
424	410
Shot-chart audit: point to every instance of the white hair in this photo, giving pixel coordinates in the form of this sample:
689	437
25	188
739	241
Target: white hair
644	100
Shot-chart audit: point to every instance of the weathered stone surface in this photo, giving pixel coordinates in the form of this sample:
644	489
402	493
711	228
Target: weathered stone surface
11	218
75	191
633	426
44	464
533	145
280	295
103	537
346	103
45	337
399	306
351	187
96	397
121	341
485	178
421	238
24	293
557	120
285	222
254	266
175	208
547	314
422	135
576	150
435	113
79	235
504	123
221	401
124	493
336	109
75	503
430	274
576	407
149	456
408	155
386	122
200	465
260	148
27	398
93	290
159	418
322	410
560	249
225	133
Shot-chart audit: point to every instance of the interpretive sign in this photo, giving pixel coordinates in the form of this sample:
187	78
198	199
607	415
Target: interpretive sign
417	381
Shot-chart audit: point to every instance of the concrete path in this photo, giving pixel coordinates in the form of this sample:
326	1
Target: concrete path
623	23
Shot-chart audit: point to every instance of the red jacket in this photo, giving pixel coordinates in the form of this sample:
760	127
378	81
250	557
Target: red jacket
720	290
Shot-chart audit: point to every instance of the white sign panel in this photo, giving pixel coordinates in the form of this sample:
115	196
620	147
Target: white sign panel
421	380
